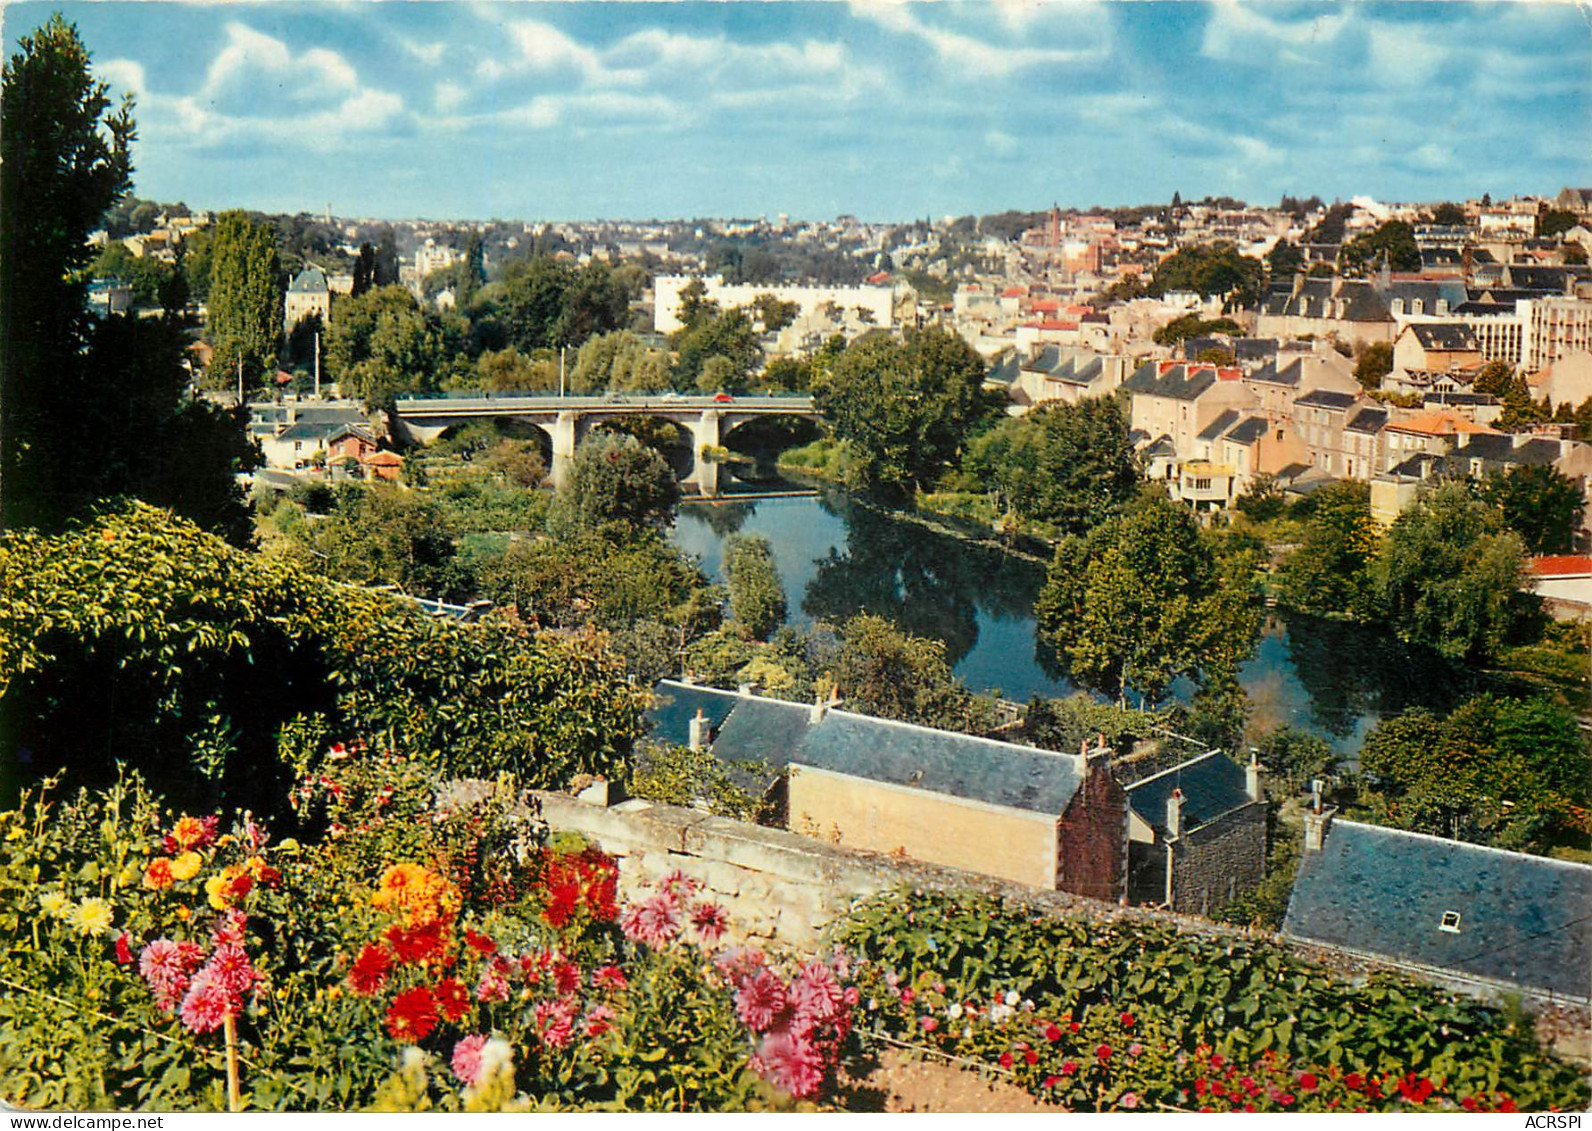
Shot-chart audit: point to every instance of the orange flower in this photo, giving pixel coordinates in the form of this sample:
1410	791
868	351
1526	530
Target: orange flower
190	832
158	875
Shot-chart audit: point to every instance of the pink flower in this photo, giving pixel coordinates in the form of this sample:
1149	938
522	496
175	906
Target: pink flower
929	1024
228	930
467	1059
555	1021
655	921
709	920
679	885
566	977
231	967
1129	1100
737	962
599	1019
207	1003
759	1000
1135	1049
609	977
790	1063
815	995
494	984
166	966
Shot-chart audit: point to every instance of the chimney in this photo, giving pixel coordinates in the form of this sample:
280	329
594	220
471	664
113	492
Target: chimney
1174	815
1252	778
744	690
1317	824
821	706
699	731
687	678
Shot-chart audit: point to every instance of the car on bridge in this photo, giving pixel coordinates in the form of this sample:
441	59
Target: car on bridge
723	398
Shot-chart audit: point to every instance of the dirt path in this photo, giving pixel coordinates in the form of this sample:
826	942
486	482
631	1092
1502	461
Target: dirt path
901	1081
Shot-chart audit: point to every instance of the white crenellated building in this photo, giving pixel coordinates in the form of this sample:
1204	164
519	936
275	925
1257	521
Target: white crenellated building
877	302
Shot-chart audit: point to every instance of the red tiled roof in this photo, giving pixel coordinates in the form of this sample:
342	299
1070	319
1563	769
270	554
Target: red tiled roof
1046	305
1056	324
1014	292
881	277
1562	565
385	459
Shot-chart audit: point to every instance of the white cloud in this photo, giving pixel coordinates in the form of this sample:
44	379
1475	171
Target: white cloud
1257	152
1237	32
1402	55
428	53
449	96
962	50
540	48
253	61
1000	143
123	74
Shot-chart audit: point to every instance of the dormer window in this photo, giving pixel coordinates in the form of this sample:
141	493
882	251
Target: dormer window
1450	922
1398	306
1417	307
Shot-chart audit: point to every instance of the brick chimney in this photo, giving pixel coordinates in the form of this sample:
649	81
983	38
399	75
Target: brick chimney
1252	778
1174	815
699	731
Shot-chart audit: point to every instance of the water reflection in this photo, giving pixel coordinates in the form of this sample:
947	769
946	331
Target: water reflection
838	558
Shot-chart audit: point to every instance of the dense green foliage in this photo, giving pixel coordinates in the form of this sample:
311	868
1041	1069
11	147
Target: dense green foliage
1330	572
1215	270
1182	997
1187	326
1540	504
1391	244
616	485
140	639
904	408
1143	599
1069	466
1449	575
1501	771
757	596
678	775
881	671
1374	363
382	344
244	301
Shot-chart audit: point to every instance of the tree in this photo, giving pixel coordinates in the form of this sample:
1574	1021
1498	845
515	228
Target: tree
881	671
1214	270
1449	574
1493	378
64	160
364	270
1375	362
1141	601
1555	222
1295	758
382	535
1392	244
1188	326
1449	215
383	344
757	596
1538	503
905	407
726	337
245	300
1498	770
617	486
1070	466
385	271
1283	260
774	314
1521	409
1330	571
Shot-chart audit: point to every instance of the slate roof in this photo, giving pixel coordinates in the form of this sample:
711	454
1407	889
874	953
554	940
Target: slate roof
1254	349
1500	448
1543	280
1177	382
1367	420
1446	336
1074	373
1427	292
1212	785
315	430
1221	424
311	280
1417	466
1045	361
958	765
1005	370
1291	374
1522	919
1327	398
1248	430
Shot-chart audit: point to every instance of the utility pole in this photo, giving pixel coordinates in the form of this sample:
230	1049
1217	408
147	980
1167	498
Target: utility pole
317	365
240	380
561	372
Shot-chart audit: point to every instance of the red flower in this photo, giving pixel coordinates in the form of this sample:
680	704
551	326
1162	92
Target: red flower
453	998
566	975
1069	1067
124	951
609	977
1354	1081
421	945
1006	1060
413	1015
907	995
1308	1082
1030	1056
1217	1060
929	1024
1127	1019
1103	1052
1468	1103
479	943
1052	1034
1506	1105
1052	1081
1072	1026
1416	1091
370	969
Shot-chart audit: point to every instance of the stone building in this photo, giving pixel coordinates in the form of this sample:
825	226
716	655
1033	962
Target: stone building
308	293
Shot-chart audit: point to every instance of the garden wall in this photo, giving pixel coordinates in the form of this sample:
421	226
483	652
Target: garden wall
782	888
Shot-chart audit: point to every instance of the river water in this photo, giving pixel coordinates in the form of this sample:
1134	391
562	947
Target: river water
838	558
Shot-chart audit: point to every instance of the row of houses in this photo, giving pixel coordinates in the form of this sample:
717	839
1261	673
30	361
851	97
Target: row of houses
1189	836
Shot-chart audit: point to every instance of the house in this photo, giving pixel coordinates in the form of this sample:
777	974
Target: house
1350	309
1320	418
291	436
350	442
386	466
1196	834
1564	582
1051	820
1179	400
1436	346
1279	381
1056	373
1429	433
1476	915
1566	380
307	294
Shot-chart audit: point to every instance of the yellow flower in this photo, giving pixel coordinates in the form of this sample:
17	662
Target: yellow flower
188	832
127	877
91	917
219	889
182	914
53	904
186	866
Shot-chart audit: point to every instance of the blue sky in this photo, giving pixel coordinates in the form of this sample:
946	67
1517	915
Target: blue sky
886	110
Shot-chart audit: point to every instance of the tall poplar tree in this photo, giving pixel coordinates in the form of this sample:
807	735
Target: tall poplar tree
245	300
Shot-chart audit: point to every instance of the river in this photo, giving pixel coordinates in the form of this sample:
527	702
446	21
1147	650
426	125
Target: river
838	558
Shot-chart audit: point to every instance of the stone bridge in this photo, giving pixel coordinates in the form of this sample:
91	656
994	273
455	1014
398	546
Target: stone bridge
566	420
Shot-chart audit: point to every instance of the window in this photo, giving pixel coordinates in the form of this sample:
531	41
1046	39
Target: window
1450	922
1417	307
1398	306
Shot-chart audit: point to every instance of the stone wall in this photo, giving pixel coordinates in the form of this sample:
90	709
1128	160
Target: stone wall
1092	857
1220	861
781	889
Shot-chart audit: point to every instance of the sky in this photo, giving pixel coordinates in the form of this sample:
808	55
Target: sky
889	111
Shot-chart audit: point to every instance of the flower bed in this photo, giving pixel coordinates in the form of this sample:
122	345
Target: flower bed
1097	1016
430	951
